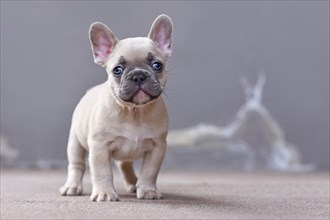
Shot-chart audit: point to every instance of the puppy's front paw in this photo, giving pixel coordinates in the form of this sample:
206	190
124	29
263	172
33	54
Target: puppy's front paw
71	190
148	193
104	195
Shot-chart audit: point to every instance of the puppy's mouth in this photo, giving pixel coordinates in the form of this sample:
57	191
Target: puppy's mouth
140	96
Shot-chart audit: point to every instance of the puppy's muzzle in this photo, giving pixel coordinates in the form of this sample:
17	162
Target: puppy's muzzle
139	87
139	77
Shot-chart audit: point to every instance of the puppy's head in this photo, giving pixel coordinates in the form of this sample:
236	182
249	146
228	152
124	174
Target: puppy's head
135	66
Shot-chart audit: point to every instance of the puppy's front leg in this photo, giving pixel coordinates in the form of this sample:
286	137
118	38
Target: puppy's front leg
76	155
146	185
101	173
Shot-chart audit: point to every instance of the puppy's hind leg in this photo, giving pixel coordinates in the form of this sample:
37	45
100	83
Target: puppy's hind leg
127	172
76	168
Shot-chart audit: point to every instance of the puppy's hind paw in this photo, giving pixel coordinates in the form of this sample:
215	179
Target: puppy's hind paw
74	190
131	188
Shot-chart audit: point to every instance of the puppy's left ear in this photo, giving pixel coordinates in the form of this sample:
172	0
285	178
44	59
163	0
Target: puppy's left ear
161	33
102	41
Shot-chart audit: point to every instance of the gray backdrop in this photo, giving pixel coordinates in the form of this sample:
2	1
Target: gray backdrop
46	66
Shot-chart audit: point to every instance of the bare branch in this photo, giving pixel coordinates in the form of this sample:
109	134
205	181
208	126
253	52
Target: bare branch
282	155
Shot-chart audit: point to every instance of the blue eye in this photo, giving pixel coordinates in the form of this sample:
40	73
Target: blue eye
117	71
157	66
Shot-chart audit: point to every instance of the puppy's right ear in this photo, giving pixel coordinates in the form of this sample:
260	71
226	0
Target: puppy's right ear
102	41
161	33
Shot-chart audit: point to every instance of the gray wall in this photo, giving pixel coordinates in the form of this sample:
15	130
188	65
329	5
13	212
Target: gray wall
46	65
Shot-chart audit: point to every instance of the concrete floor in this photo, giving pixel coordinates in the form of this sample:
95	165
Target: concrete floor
27	194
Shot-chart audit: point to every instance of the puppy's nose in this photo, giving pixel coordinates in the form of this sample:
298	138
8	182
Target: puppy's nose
139	77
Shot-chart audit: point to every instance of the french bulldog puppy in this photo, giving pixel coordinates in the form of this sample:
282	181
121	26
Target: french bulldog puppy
125	118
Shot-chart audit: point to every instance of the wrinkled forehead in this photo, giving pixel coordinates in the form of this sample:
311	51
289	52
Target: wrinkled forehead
137	50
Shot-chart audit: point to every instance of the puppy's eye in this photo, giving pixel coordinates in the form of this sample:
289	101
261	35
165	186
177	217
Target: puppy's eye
157	66
118	70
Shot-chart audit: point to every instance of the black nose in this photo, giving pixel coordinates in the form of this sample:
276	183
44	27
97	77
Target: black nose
139	77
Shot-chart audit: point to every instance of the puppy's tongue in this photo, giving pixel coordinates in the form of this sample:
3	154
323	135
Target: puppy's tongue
141	97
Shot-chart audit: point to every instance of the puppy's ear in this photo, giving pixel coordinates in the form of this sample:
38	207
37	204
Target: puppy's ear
102	41
161	33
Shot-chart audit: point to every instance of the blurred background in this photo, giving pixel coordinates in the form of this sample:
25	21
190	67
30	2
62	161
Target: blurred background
47	65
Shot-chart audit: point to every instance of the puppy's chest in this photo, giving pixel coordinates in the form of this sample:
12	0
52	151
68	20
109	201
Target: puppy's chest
132	141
